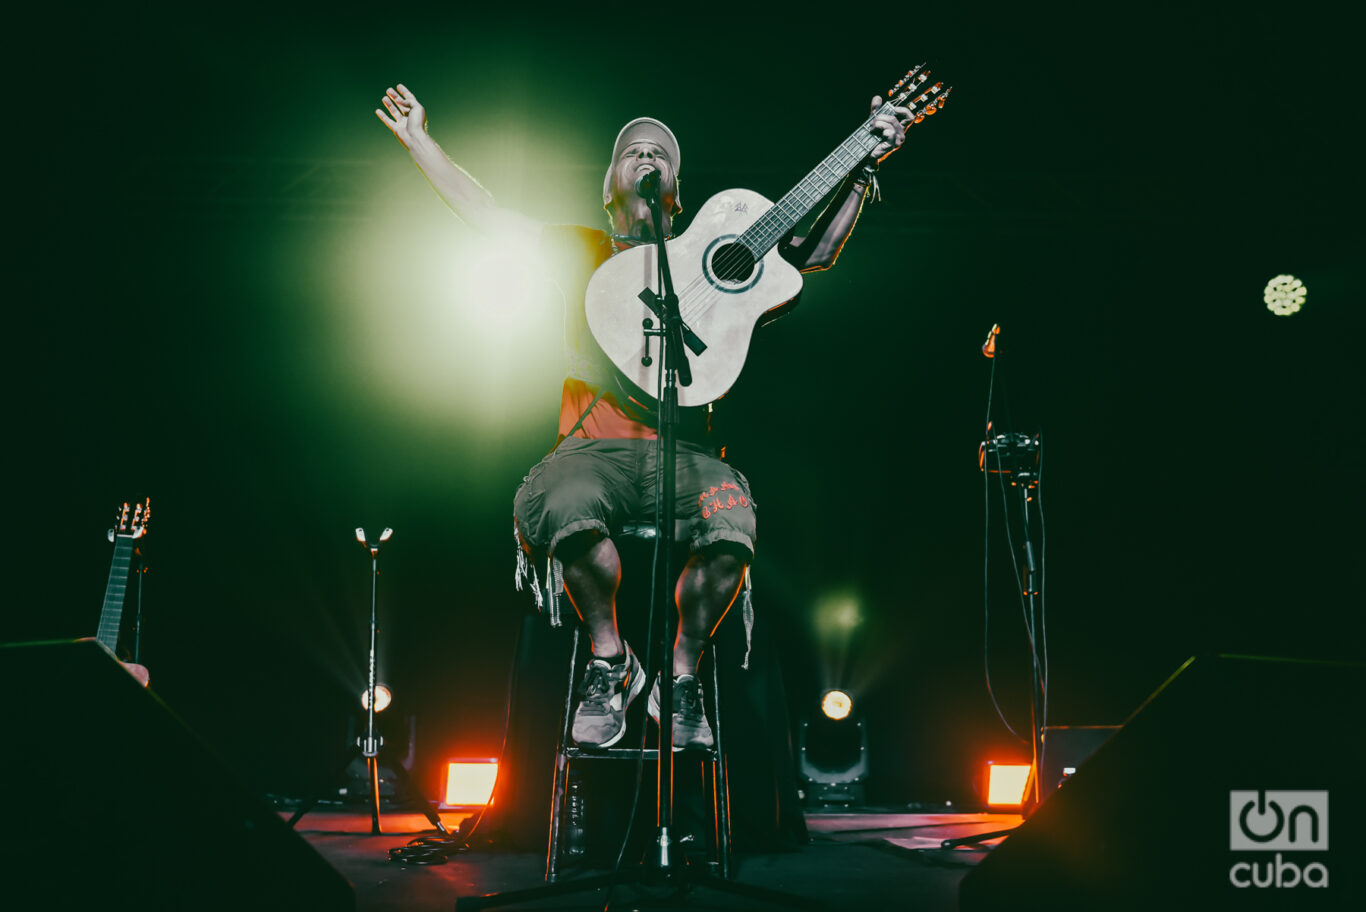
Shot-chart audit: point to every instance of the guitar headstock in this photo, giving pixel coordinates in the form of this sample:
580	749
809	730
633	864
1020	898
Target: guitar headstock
131	521
911	92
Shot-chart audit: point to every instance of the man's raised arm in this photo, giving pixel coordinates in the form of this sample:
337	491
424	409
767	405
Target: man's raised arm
822	244
404	115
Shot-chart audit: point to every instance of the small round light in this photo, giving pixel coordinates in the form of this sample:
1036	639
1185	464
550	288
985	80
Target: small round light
382	698
1284	295
836	704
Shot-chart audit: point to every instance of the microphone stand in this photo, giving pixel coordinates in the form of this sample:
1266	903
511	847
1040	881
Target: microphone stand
1024	479
371	742
664	868
676	372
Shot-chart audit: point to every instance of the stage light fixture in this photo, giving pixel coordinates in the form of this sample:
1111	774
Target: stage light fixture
1285	295
832	752
469	783
1006	784
383	697
836	704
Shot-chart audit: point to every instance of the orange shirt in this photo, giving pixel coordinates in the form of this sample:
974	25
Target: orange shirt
571	254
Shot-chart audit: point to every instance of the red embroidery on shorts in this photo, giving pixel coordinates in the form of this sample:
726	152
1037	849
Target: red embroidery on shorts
711	507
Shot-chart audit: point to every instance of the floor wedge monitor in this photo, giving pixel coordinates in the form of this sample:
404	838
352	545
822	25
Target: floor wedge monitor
1236	785
115	802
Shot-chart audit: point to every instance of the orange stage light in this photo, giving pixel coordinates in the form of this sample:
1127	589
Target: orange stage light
469	783
1006	784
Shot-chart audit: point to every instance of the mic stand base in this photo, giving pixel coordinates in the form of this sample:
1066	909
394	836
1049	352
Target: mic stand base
405	785
678	879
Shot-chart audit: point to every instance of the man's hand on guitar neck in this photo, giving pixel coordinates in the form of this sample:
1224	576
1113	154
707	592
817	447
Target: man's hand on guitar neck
892	128
821	246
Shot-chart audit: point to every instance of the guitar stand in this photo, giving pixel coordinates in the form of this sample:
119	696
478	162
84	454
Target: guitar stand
665	866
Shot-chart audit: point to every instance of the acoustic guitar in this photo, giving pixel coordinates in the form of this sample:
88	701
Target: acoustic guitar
727	271
130	525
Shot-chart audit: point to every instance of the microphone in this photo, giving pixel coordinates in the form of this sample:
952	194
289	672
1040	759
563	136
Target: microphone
989	346
647	185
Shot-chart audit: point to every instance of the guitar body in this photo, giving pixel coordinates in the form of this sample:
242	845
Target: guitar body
726	268
722	295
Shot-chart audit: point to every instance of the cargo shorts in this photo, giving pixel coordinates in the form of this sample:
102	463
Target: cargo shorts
602	484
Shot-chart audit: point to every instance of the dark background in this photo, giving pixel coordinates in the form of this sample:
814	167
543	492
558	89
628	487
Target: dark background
229	295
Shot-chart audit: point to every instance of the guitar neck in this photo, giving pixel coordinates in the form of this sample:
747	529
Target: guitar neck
774	225
111	615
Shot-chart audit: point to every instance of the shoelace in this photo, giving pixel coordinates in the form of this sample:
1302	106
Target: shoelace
596	687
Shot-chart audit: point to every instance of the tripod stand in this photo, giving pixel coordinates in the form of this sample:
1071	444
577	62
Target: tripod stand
665	867
369	744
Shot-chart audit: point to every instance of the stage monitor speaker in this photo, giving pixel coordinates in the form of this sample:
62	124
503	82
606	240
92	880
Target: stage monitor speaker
114	801
1215	793
1066	748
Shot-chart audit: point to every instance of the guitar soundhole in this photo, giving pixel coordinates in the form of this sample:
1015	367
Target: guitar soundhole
733	263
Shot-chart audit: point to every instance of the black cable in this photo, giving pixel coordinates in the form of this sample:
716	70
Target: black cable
1015	564
434	850
986	522
1043	588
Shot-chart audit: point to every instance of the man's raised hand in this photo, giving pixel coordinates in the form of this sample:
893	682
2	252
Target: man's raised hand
891	127
406	117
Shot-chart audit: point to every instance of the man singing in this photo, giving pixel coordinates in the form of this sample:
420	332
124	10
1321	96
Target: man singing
602	472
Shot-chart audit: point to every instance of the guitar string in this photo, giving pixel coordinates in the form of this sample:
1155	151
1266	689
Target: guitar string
693	306
929	97
735	254
731	257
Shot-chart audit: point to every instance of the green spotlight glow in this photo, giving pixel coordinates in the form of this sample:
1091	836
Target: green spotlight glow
837	615
496	278
443	324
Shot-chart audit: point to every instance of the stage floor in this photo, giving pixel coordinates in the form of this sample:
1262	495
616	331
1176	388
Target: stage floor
867	859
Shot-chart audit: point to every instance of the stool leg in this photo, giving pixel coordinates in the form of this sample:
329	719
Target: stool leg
552	856
721	790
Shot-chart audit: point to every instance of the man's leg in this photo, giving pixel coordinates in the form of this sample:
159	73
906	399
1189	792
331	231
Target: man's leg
705	591
592	575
